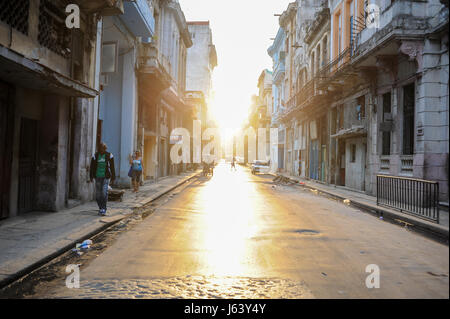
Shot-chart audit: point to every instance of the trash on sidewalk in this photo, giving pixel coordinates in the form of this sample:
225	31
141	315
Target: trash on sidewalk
347	201
77	251
84	245
115	195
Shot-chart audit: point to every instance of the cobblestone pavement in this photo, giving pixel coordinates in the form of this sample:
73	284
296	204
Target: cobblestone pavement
186	287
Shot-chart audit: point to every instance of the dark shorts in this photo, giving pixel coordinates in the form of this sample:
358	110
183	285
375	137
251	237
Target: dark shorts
136	176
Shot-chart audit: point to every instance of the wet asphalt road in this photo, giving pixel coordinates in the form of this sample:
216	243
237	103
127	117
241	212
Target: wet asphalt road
235	235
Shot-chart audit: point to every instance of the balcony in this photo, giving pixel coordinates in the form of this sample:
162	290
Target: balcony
396	19
154	75
302	98
138	17
353	128
279	71
104	7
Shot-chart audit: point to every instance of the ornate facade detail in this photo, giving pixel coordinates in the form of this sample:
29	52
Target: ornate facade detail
414	50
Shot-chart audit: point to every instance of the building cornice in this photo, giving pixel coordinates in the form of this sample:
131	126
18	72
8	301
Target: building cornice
277	43
181	22
288	14
320	19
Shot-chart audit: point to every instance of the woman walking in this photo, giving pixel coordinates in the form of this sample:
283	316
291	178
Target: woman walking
136	170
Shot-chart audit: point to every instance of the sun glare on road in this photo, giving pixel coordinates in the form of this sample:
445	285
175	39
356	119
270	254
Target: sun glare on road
226	229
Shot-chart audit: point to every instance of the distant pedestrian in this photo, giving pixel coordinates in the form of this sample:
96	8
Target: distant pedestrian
136	170
103	171
233	163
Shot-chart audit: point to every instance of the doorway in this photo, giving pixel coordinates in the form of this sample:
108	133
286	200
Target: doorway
162	158
314	160
6	143
27	164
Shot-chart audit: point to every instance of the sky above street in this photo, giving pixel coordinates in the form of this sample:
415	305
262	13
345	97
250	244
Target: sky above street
242	30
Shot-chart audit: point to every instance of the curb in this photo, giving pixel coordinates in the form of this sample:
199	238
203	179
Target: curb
38	264
163	192
435	232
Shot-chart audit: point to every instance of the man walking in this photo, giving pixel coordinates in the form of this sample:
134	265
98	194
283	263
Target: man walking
102	169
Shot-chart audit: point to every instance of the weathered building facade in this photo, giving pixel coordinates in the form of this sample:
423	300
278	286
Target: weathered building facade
201	62
278	54
49	81
371	96
162	88
119	78
119	98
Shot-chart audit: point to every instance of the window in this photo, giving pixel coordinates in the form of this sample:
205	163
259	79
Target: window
361	108
408	119
324	51
352	23
340	110
339	34
352	153
386	136
52	32
15	13
318	58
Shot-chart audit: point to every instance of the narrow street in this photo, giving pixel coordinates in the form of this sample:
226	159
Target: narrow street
236	235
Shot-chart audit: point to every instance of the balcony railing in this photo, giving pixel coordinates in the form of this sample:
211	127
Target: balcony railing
390	13
335	65
302	95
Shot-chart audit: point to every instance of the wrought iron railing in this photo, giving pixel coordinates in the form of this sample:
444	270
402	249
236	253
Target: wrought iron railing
414	196
335	65
302	95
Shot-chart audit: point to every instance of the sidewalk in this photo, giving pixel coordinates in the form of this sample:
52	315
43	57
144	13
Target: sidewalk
369	203
30	240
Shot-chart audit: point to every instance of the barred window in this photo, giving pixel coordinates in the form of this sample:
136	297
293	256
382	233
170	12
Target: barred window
15	13
53	33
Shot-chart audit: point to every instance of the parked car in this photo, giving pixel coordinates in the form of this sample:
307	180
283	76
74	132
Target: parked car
260	167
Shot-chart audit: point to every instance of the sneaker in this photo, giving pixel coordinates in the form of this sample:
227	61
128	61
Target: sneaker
104	212
100	212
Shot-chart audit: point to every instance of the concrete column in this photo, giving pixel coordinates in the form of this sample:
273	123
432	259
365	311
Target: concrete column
128	120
